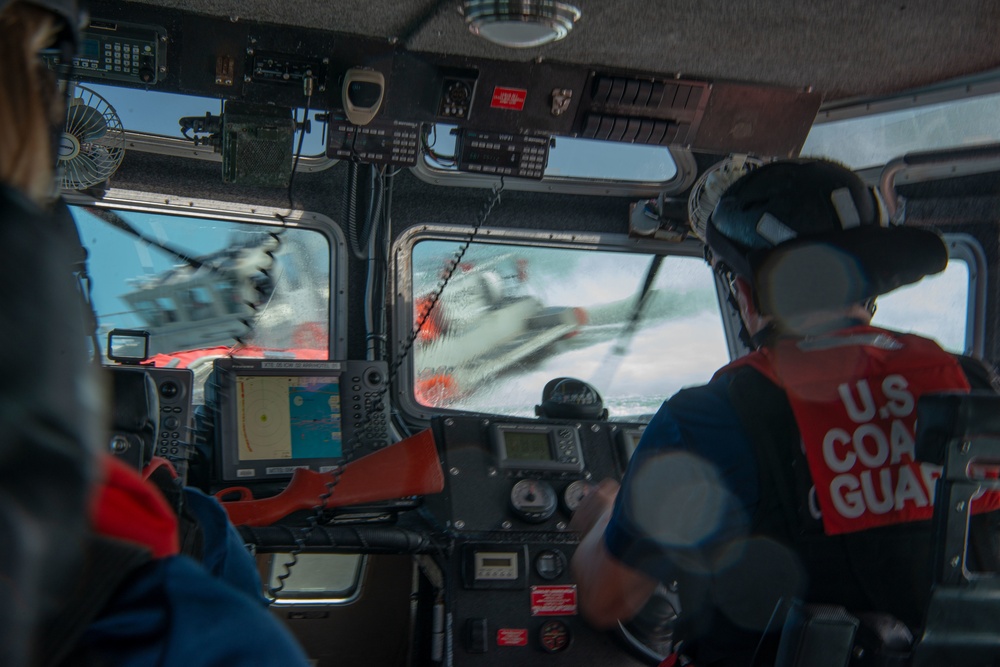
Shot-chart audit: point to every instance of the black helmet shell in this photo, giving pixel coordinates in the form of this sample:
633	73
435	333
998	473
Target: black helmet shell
809	235
786	200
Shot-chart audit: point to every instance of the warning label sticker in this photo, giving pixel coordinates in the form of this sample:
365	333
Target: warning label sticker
553	600
509	98
512	637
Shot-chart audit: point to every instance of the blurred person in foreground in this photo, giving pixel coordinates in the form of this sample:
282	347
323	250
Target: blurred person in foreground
50	398
92	569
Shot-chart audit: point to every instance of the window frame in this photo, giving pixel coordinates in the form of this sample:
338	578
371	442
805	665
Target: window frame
265	216
177	145
684	161
951	92
402	266
960	246
968	249
277	560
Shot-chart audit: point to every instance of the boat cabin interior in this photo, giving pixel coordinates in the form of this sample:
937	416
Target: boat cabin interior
453	249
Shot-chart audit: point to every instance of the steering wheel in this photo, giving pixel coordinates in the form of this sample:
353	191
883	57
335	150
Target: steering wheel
649	636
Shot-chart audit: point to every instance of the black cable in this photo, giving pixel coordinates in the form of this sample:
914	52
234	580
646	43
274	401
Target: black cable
351	207
767	628
433	299
307	90
428	146
115	220
303	535
313	520
375	282
240	342
417	25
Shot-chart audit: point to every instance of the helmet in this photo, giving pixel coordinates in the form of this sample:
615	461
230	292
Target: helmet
67	10
809	235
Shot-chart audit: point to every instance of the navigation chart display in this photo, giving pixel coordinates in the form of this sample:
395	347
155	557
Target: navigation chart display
284	417
275	416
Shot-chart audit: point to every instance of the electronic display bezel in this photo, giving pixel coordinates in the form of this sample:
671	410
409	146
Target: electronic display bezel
565	450
363	413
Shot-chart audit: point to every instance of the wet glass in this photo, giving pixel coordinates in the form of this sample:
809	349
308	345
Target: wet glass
512	318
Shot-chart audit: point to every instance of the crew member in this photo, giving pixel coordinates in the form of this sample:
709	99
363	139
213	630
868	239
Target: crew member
791	474
91	570
50	400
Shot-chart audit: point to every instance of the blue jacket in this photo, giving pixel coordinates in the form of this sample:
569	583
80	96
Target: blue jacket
175	611
172	612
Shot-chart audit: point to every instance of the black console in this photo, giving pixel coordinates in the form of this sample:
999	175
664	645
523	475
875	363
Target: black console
152	415
511	488
176	427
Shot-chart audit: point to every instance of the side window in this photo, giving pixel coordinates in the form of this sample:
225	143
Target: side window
944	306
513	317
316	578
203	287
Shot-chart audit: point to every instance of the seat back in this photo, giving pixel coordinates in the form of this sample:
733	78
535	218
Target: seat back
962	624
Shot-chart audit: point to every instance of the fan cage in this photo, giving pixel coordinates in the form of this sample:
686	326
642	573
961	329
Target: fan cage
93	145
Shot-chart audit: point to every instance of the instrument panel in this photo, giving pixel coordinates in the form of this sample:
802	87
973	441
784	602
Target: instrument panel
517	475
507	110
511	486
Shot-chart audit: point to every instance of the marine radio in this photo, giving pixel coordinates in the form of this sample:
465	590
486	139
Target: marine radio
118	51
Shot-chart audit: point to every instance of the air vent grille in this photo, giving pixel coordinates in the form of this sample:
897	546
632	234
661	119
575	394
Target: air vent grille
618	92
656	131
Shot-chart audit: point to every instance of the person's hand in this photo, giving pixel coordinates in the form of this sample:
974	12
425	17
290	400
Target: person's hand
594	505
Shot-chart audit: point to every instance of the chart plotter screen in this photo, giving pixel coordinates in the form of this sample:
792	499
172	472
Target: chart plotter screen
286	417
274	416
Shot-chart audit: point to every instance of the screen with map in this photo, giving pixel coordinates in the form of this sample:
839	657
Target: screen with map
288	417
274	416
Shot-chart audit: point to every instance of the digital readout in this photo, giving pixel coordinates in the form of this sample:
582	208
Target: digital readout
527	446
495	566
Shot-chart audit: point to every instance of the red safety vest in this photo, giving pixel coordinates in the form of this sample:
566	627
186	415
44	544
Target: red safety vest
127	507
854	396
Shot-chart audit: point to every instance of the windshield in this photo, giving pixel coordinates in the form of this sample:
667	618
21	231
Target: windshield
511	318
211	285
872	140
937	307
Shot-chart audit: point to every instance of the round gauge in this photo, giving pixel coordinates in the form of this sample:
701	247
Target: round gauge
574	494
550	564
554	636
533	500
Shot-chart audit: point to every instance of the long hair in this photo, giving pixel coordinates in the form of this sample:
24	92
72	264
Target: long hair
28	103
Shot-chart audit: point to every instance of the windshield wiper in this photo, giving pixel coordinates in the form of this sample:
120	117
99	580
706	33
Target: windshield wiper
606	371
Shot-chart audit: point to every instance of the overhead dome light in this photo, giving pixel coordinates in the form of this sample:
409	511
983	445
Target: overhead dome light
520	24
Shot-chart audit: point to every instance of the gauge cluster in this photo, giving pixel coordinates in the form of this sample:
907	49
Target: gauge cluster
511	488
525	475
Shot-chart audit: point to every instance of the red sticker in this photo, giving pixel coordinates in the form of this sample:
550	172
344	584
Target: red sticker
509	98
512	637
553	600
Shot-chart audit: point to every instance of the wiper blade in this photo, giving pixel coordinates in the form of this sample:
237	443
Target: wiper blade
609	367
640	303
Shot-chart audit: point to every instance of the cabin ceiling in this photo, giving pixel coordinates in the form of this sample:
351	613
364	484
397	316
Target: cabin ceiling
840	48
